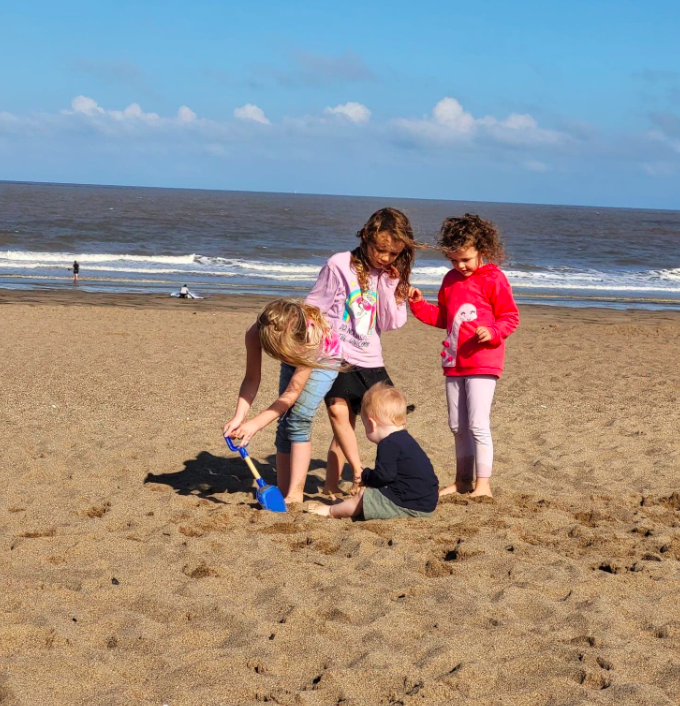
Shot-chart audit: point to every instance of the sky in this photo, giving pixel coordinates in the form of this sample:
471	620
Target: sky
566	102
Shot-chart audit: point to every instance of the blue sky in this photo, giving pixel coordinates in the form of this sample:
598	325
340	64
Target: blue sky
563	102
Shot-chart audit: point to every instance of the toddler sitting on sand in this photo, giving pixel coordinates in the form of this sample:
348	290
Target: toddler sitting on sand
403	482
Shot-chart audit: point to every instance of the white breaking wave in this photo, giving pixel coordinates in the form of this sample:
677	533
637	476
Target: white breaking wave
203	269
261	266
87	258
673	275
594	287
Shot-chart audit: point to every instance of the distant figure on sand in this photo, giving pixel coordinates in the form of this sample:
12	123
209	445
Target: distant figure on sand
477	310
76	270
184	293
403	482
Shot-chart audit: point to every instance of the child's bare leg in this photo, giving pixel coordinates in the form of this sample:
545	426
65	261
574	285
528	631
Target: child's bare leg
465	468
283	472
347	508
343	421
482	487
300	456
334	466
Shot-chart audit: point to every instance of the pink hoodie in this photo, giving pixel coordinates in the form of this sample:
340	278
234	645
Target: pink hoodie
466	303
358	317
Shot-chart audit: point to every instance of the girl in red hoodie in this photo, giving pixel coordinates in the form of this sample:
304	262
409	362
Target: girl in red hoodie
477	310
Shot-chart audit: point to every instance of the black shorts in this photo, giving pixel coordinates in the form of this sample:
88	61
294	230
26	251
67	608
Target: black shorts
352	385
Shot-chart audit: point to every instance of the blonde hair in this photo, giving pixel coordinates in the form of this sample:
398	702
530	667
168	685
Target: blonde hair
385	404
294	333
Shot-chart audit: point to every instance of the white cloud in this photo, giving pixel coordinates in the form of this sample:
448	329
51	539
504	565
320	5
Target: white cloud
518	121
354	112
133	112
514	121
449	113
251	112
185	115
85	105
449	121
516	139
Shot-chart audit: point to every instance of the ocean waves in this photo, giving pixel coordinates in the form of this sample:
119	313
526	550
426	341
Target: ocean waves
55	258
223	274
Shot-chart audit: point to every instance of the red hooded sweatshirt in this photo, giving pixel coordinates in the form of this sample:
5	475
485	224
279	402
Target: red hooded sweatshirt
465	303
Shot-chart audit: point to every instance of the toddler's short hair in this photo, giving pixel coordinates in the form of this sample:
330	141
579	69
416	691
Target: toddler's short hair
385	404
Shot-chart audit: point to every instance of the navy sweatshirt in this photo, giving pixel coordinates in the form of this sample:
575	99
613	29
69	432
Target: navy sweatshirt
403	473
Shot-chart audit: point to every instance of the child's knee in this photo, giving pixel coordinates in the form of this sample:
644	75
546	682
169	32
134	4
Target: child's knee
338	411
282	441
300	425
481	434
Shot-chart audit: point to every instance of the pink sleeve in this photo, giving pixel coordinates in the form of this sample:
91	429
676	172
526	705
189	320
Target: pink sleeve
431	314
391	314
324	291
504	309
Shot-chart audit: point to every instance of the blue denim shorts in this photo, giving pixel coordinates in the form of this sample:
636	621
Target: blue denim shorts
296	424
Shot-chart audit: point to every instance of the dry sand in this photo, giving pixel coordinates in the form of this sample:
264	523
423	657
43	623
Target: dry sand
135	567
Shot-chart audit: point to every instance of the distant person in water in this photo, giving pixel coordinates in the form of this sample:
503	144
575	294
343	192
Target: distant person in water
76	270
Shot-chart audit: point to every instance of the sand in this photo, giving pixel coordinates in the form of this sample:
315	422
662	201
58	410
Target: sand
135	567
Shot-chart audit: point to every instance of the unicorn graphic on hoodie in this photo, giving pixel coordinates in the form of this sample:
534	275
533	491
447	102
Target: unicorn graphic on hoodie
467	312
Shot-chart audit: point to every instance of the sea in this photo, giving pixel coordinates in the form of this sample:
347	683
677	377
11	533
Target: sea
149	240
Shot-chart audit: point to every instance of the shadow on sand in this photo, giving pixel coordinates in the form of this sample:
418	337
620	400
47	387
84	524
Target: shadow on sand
208	475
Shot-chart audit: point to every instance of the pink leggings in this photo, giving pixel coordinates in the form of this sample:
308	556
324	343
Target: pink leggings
469	400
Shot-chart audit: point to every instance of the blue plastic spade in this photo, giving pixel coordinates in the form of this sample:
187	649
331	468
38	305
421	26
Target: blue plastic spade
269	496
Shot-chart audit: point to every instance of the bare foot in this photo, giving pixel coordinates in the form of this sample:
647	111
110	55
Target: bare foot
317	508
482	488
292	499
333	492
457	487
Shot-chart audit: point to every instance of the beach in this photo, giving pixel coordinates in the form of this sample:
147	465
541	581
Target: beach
136	567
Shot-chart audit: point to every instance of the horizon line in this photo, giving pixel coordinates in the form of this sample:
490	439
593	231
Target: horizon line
322	194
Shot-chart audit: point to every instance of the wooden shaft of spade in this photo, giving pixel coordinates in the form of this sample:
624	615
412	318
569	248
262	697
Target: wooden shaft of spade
251	465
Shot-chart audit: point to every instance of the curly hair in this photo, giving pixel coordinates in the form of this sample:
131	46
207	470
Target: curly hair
294	333
471	231
395	224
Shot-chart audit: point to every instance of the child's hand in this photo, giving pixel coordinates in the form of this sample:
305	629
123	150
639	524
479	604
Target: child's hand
357	485
483	334
232	424
414	295
245	432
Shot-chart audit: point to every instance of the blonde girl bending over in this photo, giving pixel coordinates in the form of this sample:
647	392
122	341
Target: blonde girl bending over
299	336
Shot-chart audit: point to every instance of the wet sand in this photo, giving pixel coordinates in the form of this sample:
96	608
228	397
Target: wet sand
135	567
